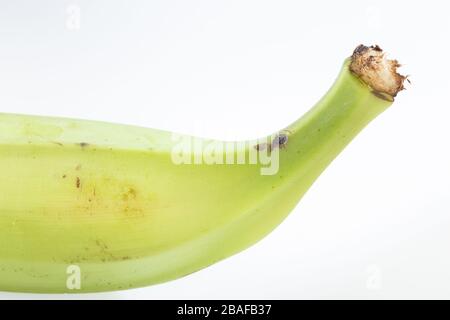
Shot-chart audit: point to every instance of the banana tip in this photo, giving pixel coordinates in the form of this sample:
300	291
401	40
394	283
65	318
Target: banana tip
379	73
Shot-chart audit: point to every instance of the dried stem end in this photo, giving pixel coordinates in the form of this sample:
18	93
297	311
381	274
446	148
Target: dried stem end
379	73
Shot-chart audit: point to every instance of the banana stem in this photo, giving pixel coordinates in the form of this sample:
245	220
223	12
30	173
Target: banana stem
365	87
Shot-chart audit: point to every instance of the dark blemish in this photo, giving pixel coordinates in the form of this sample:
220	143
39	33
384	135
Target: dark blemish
78	167
78	183
360	49
280	141
383	96
57	143
126	258
129	194
101	244
377	48
261	146
64	176
84	144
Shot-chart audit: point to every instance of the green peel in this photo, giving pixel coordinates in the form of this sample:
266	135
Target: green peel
88	206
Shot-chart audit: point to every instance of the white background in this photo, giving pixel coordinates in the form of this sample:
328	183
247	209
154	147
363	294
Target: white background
375	225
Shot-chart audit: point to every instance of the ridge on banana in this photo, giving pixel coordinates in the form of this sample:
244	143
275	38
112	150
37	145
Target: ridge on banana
89	206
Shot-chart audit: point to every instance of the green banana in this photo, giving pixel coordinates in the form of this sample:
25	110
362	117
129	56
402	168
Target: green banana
88	206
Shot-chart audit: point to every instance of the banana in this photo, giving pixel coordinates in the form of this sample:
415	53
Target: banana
89	206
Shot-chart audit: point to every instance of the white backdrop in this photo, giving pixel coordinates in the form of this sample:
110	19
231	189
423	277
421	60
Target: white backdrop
375	225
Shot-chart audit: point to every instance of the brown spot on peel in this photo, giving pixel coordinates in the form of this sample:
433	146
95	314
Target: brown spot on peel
279	141
382	95
261	146
78	183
